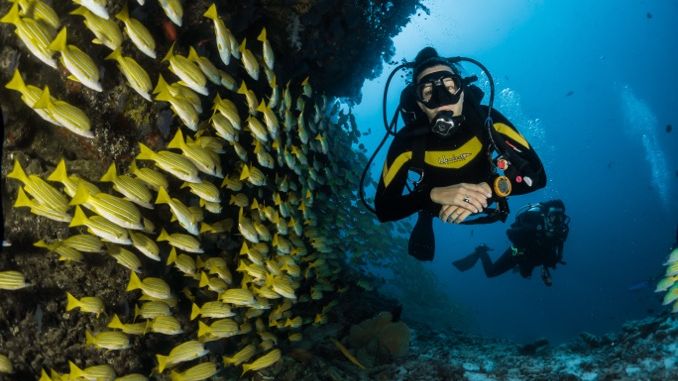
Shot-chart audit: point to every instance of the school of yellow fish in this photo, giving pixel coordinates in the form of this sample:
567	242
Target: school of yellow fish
669	283
288	145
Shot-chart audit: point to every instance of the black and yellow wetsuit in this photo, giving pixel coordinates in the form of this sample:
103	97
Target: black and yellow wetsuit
462	158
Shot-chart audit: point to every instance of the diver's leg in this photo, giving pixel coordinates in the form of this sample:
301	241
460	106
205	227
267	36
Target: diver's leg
502	265
422	243
467	262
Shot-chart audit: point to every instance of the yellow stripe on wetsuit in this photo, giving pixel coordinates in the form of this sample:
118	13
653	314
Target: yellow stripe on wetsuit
453	159
511	133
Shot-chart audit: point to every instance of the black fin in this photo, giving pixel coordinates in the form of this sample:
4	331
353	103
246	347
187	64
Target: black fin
422	243
467	262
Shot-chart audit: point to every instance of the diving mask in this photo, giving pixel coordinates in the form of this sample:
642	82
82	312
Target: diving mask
439	88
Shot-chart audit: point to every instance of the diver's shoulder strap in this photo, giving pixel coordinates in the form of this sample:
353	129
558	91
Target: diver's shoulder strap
418	137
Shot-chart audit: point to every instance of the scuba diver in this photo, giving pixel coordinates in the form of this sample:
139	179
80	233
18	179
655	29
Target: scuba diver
447	143
537	237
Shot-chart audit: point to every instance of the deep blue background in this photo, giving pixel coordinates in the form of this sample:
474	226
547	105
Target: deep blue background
605	148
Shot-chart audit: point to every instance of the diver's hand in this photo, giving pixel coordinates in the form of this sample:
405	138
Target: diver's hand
454	214
471	197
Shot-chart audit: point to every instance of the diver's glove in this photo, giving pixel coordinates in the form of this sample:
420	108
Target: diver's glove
422	243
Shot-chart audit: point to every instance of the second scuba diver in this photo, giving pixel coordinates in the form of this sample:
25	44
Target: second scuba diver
537	238
448	143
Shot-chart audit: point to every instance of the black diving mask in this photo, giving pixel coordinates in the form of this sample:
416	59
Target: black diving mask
439	88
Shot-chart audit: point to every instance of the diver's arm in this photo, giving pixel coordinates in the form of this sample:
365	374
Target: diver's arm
389	202
526	171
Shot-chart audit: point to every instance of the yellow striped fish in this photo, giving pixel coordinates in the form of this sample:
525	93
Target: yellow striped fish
125	258
84	242
183	107
98	7
66	115
44	193
223	35
130	329
173	10
106	31
241	356
183	352
12	280
219	329
90	304
198	372
185	217
199	156
78	63
149	176
166	325
182	262
132	188
212	310
185	69
117	210
29	95
40	209
96	372
150	286
137	32
269	58
66	253
35	35
145	245
262	362
111	340
170	162
137	78
39	11
249	61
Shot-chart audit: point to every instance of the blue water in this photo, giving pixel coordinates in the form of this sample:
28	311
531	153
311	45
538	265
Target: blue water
605	148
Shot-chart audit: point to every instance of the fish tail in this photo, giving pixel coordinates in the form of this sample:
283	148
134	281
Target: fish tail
172	257
110	175
177	141
192	54
163	197
243	46
145	153
59	42
169	54
162	362
45	101
75	372
195	311
245	369
163	236
71	302
115	55
22	199
89	339
79	218
18	173
211	12
17	82
12	17
203	329
204	280
205	227
134	282
81	195
262	106
262	35
245	174
123	15
42	244
242	89
115	322
80	11
59	175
